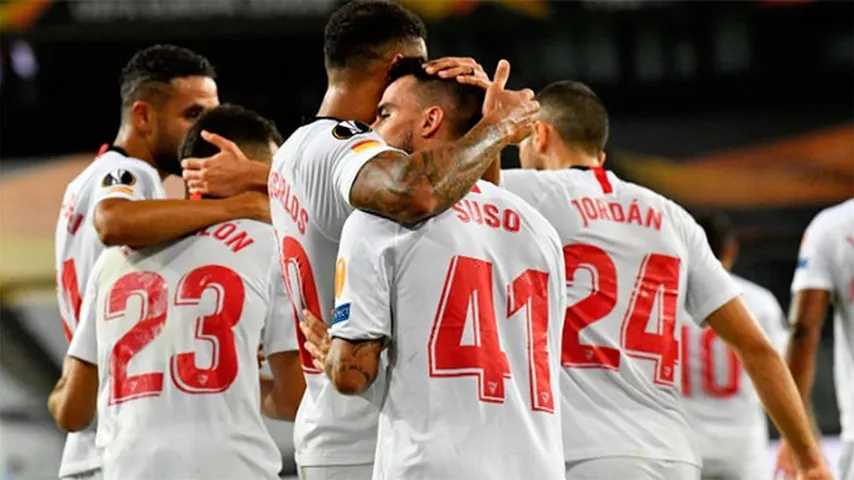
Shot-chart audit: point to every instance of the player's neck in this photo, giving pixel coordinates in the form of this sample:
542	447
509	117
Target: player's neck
351	99
571	158
136	148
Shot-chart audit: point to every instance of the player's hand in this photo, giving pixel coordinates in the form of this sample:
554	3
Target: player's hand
222	175
512	110
785	468
464	69
317	339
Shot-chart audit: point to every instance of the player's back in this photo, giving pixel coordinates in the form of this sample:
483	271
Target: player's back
178	330
308	211
631	256
76	248
477	307
723	409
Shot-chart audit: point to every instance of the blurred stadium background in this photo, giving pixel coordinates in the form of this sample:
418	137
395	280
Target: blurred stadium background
742	106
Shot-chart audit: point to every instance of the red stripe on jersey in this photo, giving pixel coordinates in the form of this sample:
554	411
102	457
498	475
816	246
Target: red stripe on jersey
475	189
602	178
103	149
66	330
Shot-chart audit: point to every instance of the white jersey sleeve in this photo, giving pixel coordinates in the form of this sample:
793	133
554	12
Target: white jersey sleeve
814	269
84	344
359	145
129	179
362	303
279	333
709	286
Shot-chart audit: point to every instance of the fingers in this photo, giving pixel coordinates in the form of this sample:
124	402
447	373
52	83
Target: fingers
223	143
502	73
434	66
192	163
456	72
483	83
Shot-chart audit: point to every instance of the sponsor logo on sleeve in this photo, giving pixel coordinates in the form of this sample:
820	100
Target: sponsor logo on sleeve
342	313
348	129
118	176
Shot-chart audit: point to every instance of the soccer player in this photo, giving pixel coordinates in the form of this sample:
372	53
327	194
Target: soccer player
163	89
825	275
168	339
471	320
335	164
727	423
635	262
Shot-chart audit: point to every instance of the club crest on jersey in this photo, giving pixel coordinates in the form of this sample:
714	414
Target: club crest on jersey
347	129
342	313
118	176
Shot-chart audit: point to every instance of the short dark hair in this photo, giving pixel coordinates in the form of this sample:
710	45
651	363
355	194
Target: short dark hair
464	102
238	124
576	113
150	69
720	230
358	31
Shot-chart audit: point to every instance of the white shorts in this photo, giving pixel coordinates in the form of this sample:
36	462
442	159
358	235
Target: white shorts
337	472
635	468
846	461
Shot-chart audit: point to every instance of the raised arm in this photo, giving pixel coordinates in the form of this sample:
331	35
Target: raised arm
773	382
141	223
412	188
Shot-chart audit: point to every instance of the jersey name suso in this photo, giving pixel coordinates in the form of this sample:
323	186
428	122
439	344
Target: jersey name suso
491	215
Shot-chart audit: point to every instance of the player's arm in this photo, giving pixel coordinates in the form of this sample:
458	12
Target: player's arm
73	400
141	223
773	382
411	188
806	316
282	394
352	365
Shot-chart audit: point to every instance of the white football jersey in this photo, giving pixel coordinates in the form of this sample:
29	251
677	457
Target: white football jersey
472	305
77	246
635	261
309	189
826	262
725	414
174	331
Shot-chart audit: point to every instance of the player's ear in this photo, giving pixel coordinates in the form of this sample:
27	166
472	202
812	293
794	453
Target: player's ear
142	116
602	157
432	121
541	137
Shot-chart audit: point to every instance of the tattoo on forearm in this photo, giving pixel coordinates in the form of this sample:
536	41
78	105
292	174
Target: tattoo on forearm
361	360
391	184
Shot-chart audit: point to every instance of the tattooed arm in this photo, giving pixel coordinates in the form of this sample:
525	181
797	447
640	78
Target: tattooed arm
412	188
352	365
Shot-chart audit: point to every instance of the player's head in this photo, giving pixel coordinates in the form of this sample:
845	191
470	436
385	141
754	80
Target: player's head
571	128
256	136
164	89
364	38
721	235
419	111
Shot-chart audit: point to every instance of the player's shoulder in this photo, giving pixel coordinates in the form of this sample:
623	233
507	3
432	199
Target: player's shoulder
365	226
326	133
532	219
834	216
